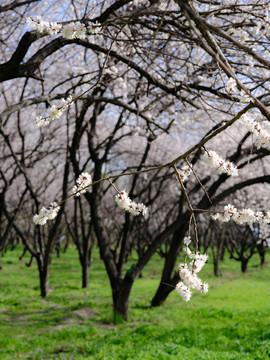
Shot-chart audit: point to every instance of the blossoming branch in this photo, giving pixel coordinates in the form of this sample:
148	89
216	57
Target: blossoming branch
187	273
241	217
260	129
54	112
70	31
214	160
123	201
46	214
83	182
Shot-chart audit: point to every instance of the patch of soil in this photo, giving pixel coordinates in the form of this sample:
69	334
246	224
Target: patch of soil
75	317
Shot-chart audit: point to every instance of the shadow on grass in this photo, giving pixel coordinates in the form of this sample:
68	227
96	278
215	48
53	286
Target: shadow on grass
57	317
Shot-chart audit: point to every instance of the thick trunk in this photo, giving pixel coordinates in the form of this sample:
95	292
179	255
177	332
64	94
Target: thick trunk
168	281
164	290
121	300
44	282
244	263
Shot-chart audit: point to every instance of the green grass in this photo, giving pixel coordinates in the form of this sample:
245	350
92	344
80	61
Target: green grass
230	322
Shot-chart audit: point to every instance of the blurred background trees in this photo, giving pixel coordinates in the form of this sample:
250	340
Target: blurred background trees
158	77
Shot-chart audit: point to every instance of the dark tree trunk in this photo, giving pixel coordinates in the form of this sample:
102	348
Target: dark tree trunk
168	281
164	290
222	252
216	267
244	263
43	277
57	249
263	261
121	299
220	246
85	272
66	244
44	282
261	250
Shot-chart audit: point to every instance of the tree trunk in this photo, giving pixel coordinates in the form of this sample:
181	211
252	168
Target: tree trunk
43	278
85	272
261	249
220	246
263	261
244	263
121	299
44	282
164	290
216	267
168	280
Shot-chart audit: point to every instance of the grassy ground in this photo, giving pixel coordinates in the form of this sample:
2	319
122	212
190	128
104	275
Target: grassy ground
230	322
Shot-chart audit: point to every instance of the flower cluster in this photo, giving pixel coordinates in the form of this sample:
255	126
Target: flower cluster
70	31
46	214
124	202
227	167
260	130
188	273
241	217
185	172
82	182
54	112
243	97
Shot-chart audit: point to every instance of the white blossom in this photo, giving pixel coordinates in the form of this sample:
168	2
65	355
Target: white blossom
244	216
214	160
94	28
215	216
46	214
231	85
123	201
204	288
42	26
54	112
83	181
260	130
183	291
80	30
185	172
189	278
187	240
188	273
69	31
